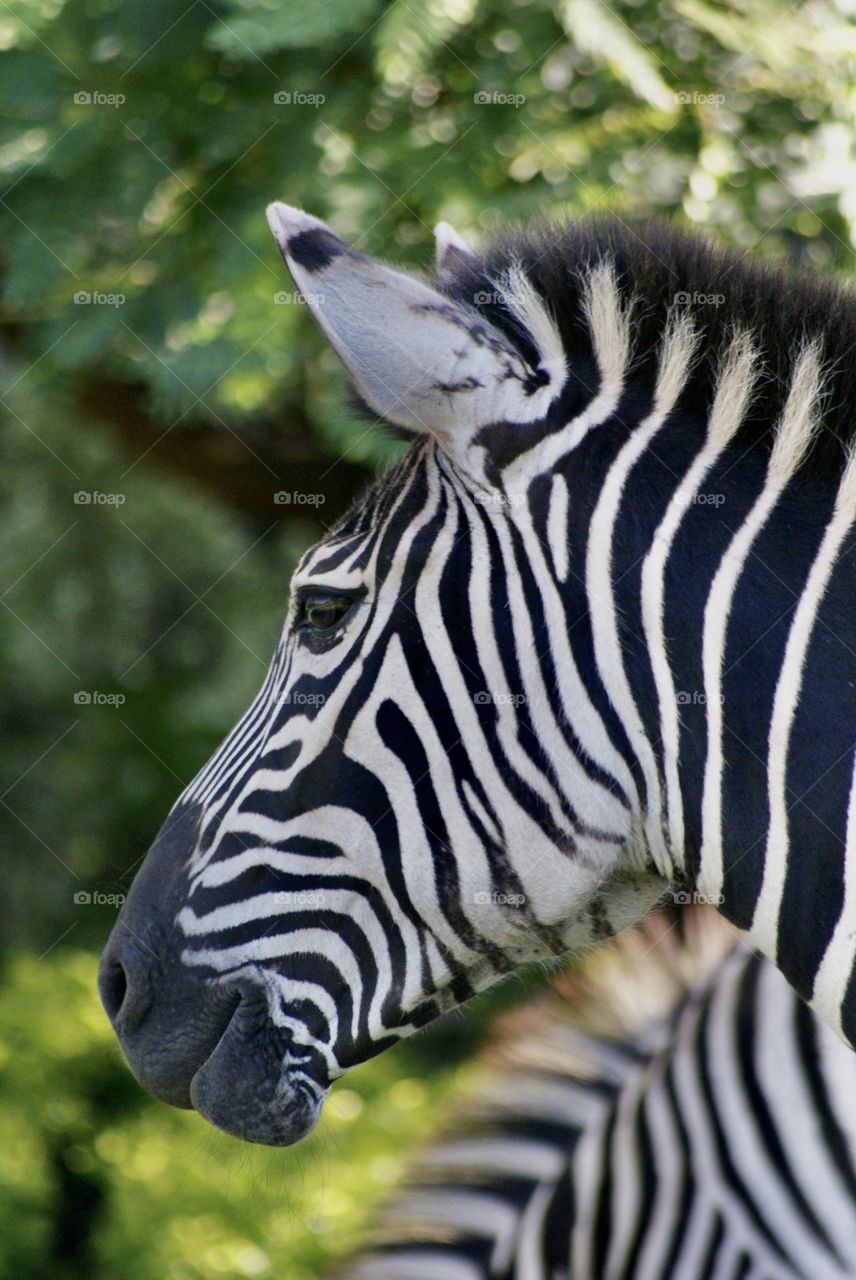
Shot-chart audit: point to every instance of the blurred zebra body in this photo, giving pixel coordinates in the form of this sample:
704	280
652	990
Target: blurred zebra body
716	1143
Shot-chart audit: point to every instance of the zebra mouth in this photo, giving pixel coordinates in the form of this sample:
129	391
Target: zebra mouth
211	1047
245	1086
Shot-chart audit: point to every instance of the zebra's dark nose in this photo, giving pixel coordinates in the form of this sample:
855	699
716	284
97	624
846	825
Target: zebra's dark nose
167	1018
192	1036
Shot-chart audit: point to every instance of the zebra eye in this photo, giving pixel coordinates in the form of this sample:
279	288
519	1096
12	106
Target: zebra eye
320	612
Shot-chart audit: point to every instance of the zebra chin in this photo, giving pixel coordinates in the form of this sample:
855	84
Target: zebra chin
246	1090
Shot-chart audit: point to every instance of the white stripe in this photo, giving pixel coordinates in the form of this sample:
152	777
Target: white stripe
764	931
834	973
530	1240
675	363
731	399
797	426
557	526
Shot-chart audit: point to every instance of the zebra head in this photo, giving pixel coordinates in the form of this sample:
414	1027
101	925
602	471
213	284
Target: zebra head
404	812
532	679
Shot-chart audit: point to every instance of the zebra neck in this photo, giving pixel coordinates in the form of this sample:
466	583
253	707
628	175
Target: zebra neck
717	616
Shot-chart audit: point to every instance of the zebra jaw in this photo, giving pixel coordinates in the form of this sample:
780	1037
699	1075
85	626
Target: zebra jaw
453	372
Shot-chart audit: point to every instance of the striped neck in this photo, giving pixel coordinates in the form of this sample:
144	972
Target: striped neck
717	616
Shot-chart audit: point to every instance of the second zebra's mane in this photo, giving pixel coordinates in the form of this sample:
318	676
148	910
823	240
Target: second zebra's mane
660	268
553	1069
672	1109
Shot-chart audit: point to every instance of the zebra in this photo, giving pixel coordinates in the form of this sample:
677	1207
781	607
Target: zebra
717	1141
589	642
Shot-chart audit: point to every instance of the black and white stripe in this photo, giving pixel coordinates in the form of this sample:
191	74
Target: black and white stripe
713	1144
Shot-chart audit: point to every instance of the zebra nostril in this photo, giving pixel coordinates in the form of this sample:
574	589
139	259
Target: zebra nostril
114	987
125	986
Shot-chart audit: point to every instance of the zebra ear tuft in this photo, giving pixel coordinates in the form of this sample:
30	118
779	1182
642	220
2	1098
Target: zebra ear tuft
449	247
419	359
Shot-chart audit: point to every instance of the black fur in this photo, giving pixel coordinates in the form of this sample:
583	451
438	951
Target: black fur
316	248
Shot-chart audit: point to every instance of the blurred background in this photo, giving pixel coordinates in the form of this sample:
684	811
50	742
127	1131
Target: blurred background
174	433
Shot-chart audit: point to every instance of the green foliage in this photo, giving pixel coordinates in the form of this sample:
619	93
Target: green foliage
739	117
139	144
134	635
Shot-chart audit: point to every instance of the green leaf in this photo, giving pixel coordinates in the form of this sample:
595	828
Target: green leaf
252	30
606	38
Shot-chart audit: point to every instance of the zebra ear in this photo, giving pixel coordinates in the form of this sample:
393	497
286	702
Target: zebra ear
419	359
449	248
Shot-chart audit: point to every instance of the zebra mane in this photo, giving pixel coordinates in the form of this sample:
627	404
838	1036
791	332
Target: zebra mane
660	268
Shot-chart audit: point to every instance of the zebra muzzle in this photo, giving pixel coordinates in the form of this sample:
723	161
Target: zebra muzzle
192	1037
